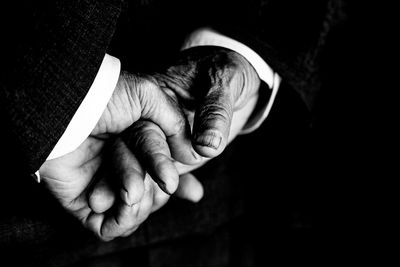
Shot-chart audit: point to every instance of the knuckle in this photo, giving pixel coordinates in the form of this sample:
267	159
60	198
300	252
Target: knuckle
136	193
147	84
148	128
147	89
214	112
146	135
158	157
151	144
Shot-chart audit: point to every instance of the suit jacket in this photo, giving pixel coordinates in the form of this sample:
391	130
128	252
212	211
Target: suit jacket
54	56
55	51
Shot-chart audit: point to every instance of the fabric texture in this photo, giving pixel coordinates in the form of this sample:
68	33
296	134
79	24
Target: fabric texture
53	55
239	185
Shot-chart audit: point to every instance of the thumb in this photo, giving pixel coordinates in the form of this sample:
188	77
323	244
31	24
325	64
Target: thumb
189	188
213	120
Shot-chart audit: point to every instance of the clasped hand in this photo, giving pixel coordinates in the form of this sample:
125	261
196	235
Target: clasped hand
154	131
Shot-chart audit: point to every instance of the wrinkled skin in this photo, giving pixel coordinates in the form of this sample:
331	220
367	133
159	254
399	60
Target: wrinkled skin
154	131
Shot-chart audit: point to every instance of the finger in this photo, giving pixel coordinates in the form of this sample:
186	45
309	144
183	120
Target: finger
130	188
149	143
160	198
160	108
190	188
124	218
129	172
146	204
213	119
102	197
127	219
94	223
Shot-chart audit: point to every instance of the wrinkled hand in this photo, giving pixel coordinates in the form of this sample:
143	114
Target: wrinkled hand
210	84
149	143
70	179
217	89
213	87
75	179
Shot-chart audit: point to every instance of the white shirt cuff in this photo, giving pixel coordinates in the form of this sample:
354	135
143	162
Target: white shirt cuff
91	108
208	37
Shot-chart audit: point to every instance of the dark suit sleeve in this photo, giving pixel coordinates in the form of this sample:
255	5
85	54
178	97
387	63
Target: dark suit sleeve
51	55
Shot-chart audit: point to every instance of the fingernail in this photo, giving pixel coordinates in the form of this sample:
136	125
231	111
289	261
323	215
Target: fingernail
163	186
195	155
210	139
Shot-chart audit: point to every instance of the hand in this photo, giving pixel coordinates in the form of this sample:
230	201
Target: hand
217	89
213	82
139	97
232	82
138	197
70	177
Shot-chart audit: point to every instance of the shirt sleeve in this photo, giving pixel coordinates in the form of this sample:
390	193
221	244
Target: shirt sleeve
208	37
90	110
